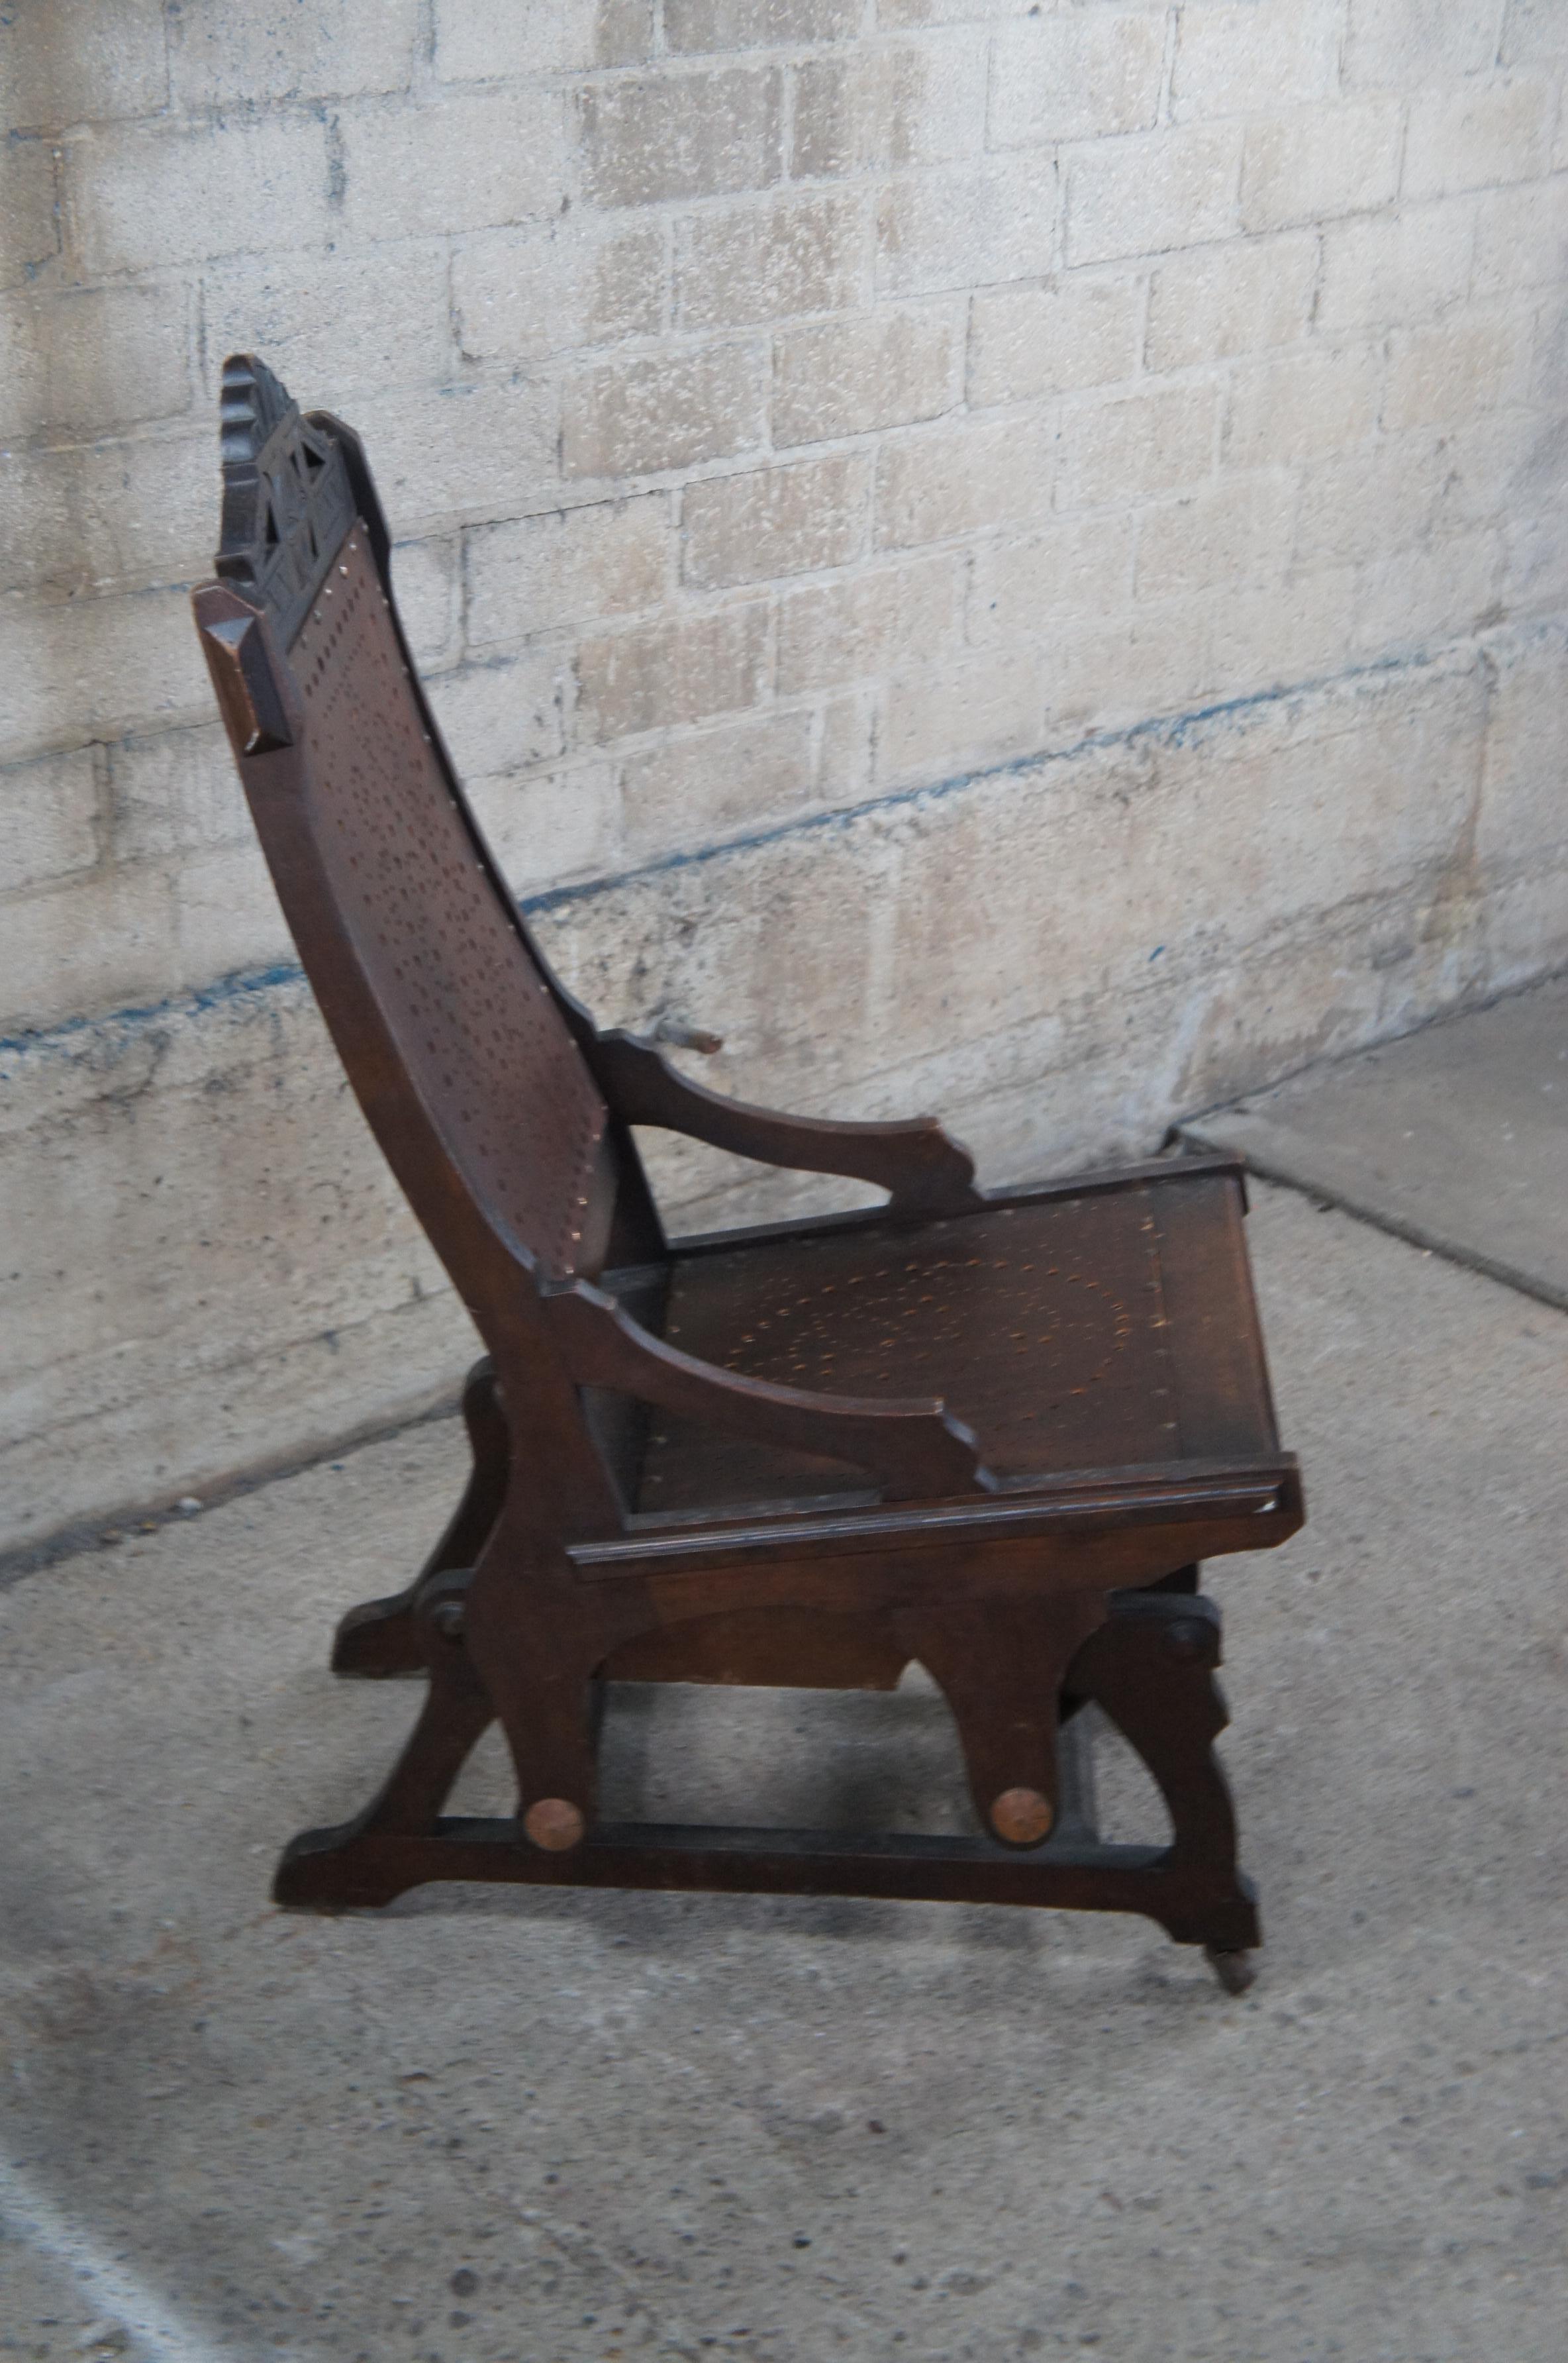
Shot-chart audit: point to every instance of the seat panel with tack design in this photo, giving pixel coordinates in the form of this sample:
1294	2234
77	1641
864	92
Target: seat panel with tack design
1058	1329
991	1432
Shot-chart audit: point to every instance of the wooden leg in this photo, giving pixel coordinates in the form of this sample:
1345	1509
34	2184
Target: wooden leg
377	1640
1183	1579
1000	1666
1151	1668
335	1866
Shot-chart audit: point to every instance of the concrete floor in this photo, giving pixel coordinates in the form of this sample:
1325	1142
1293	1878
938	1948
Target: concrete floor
1455	1137
555	2127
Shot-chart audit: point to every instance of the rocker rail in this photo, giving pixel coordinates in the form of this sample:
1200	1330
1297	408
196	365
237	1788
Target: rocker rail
1194	1903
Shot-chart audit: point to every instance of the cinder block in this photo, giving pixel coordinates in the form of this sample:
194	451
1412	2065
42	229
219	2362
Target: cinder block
1481	466
1535	566
40	551
330	323
960	479
501	713
520	296
28	236
1521	235
49	819
681	135
889	107
1440	592
1299	407
1077	76
1479	134
551	826
713	783
68	62
694	25
114	515
470	452
951	12
802	254
24	371
228	918
1145	194
1399	44
1321	161
146	195
1398	268
1073	570
846	748
1541	383
1267	636
470	163
108	515
1366	505
1241	297
1533	31
941	720
846	377
79	362
1524	814
102	941
1365	797
1078	331
88	944
892	618
532	574
1109	676
665	410
176	1351
478	42
427	580
1138	444
1234	59
1236	531
144	512
1447	373
97	666
174	792
946	230
241	52
656	675
776	521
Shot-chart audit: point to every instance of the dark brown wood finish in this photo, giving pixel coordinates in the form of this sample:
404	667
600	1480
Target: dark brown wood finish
991	1433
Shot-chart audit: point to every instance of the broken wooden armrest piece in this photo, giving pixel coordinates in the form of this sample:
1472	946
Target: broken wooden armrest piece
925	1170
915	1448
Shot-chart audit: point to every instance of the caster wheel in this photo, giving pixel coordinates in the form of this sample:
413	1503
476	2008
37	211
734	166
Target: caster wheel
1235	1971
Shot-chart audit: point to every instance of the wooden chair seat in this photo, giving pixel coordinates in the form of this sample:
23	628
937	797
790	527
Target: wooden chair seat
993	1435
1072	1331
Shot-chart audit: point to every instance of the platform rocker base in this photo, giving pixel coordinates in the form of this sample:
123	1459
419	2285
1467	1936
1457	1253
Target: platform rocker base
1150	1668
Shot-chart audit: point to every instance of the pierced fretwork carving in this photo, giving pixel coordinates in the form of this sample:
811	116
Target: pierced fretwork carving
286	497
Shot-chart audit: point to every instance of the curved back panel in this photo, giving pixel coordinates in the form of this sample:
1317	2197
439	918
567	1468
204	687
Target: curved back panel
479	1030
484	1053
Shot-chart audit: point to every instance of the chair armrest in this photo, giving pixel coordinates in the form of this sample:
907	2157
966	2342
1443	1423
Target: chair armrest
914	1447
924	1169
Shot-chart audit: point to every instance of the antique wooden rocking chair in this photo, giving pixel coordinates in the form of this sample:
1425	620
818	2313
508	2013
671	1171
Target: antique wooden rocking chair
704	1460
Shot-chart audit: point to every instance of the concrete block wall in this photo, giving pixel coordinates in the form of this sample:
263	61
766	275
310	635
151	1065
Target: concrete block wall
1010	558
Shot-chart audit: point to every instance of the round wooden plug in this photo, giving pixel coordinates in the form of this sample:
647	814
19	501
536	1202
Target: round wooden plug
554	1824
1021	1816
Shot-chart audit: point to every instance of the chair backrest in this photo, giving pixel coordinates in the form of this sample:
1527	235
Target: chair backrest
465	1052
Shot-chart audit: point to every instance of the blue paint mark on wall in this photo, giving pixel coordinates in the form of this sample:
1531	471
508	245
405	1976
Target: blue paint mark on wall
1177	730
58	1040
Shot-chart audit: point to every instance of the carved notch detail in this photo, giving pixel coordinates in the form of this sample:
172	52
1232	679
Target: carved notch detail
286	498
